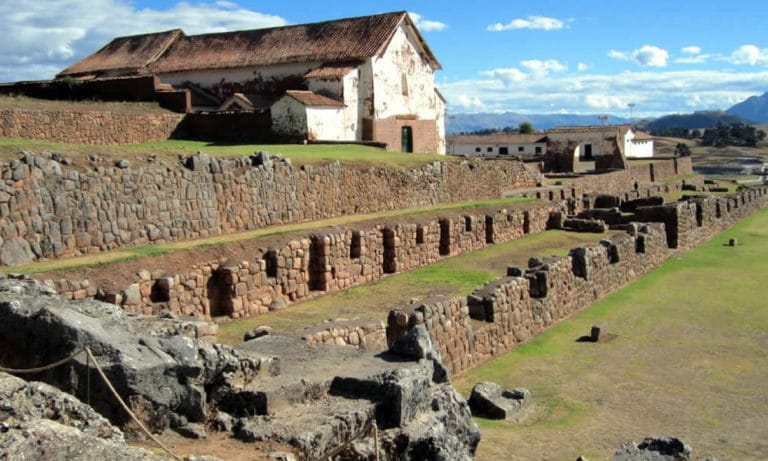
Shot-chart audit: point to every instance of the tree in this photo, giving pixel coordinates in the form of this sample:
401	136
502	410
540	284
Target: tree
526	128
682	150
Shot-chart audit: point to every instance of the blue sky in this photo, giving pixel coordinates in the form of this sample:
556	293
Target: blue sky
586	57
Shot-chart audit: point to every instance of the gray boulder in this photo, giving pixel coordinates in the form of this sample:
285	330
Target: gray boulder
38	421
489	400
416	344
164	376
654	449
16	252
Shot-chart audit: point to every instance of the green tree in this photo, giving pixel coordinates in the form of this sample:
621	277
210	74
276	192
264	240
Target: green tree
526	128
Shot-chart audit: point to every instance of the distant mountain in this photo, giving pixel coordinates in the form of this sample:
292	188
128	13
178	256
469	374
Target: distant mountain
462	123
754	108
696	120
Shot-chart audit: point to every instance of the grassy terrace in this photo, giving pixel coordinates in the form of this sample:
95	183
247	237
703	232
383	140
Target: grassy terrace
455	276
300	154
690	360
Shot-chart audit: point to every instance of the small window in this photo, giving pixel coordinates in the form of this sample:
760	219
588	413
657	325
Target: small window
270	258
468	223
419	234
477	149
538	149
356	246
490	149
404	84
503	150
521	148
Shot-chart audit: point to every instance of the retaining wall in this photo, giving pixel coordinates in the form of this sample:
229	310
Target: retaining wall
51	209
509	310
298	268
87	127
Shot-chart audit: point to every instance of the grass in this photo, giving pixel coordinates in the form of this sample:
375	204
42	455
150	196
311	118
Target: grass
300	154
689	360
455	276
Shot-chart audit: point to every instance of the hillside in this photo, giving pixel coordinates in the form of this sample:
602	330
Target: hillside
463	123
754	108
696	120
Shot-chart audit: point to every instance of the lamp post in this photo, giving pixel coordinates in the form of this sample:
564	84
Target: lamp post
631	106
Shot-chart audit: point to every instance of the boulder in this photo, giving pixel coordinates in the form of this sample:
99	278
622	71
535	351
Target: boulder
163	375
489	400
416	344
16	252
38	421
654	449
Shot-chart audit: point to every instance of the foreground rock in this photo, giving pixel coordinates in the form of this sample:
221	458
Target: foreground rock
654	449
489	400
166	375
38	421
312	401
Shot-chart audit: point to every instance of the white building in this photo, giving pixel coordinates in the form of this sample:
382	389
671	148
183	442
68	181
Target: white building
370	78
497	144
602	140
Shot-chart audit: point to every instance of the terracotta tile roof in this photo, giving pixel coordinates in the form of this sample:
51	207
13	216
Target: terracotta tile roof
332	70
309	98
128	54
331	41
497	139
642	136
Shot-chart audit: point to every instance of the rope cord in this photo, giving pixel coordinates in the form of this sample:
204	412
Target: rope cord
91	358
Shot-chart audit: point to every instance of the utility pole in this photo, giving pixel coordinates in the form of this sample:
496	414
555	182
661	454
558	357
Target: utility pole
631	106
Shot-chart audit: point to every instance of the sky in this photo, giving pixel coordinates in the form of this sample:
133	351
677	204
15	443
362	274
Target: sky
630	59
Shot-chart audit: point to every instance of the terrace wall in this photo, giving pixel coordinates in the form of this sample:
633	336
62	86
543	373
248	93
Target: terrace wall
299	268
50	208
470	330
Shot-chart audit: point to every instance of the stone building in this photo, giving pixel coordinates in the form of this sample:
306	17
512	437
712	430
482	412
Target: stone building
368	78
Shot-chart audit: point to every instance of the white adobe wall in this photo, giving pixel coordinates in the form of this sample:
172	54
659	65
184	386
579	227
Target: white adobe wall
327	124
401	58
289	117
637	148
512	149
213	78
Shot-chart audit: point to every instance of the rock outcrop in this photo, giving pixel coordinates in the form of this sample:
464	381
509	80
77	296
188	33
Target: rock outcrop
489	400
38	421
316	401
654	449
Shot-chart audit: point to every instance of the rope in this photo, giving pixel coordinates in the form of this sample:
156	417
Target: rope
89	358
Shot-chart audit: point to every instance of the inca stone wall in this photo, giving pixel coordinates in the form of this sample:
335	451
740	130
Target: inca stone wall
470	330
50	208
297	268
94	127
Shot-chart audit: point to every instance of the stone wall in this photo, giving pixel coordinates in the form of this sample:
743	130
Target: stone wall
296	268
87	127
50	208
470	330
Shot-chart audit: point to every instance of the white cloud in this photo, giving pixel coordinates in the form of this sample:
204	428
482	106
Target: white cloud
581	67
542	68
620	55
691	49
604	102
750	54
651	56
469	103
425	25
648	55
532	22
49	35
655	93
506	76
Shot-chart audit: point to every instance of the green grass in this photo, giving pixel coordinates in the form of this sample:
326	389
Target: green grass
689	360
300	154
